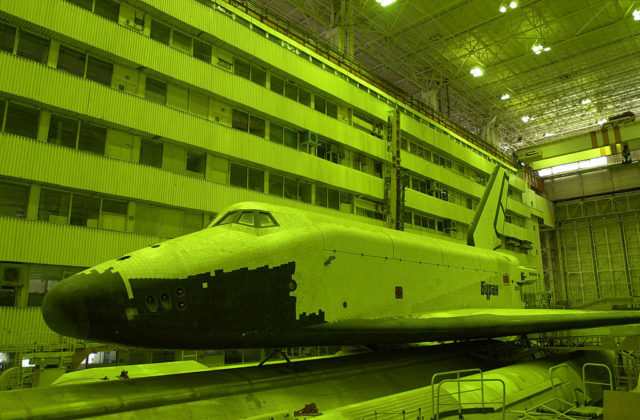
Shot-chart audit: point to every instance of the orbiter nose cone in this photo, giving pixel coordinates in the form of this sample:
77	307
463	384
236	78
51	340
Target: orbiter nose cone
65	311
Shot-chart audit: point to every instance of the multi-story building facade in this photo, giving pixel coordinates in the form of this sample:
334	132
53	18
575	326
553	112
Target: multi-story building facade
127	122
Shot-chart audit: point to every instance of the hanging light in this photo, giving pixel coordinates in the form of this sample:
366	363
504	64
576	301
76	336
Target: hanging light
502	9
525	119
505	96
476	72
513	5
636	15
385	3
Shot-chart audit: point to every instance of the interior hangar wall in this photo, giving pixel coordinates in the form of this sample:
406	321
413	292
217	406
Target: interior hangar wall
593	256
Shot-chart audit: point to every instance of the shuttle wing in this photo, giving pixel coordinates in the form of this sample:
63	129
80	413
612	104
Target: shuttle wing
479	323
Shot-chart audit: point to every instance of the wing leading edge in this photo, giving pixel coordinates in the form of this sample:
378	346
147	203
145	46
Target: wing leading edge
480	323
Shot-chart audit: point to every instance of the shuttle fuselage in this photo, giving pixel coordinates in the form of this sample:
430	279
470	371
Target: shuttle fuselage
264	275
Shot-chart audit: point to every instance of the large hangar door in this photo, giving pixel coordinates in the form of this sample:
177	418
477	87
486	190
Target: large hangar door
596	250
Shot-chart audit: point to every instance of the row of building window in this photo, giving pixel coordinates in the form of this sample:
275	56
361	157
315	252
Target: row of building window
373	214
65	131
108	9
33	279
306	141
27	45
436	189
421	221
157	91
96	211
284	186
515	219
23	44
432	156
181	41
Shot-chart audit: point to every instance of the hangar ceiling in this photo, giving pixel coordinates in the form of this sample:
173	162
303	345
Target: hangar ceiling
587	68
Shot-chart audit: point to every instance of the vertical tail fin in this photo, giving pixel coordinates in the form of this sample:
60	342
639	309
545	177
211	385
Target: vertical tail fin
487	226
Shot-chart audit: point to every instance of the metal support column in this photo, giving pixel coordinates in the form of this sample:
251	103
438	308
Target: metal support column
394	184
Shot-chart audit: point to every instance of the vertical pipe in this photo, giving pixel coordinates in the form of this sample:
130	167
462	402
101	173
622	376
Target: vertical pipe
561	247
627	271
575	235
592	249
606	241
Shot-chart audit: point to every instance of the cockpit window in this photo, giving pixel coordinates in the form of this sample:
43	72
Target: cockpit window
247	219
253	218
265	219
228	218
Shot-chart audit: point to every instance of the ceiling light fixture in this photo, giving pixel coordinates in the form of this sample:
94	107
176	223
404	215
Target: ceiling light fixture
385	3
602	121
539	48
548	134
502	9
513	5
525	119
476	72
505	96
585	101
636	15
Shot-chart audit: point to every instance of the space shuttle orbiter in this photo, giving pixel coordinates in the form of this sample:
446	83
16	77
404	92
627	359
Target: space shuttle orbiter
263	275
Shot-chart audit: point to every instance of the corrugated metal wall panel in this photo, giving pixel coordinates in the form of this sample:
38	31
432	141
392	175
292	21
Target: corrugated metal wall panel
71	21
599	248
24	327
41	242
54	88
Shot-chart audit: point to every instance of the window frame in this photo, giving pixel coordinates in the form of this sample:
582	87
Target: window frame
45	57
234	216
24	106
13	41
17	186
63	118
146	140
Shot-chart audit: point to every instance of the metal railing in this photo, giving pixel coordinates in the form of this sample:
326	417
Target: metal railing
602	384
457	374
561	383
413	414
483	403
